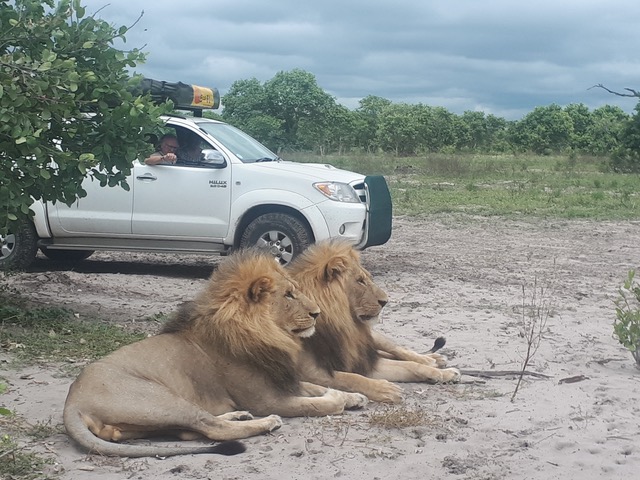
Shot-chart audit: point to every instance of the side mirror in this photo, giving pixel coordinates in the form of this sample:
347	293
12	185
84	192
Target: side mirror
213	158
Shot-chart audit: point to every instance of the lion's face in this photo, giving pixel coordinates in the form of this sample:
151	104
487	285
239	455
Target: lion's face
300	312
332	272
366	299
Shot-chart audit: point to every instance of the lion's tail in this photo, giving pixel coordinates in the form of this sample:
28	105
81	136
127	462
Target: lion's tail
77	430
438	344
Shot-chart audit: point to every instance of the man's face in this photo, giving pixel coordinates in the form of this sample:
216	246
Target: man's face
169	145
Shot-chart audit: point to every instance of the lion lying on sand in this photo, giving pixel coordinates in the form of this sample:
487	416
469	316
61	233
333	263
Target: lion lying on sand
345	352
234	348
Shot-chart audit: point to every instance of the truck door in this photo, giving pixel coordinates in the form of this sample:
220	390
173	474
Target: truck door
181	201
104	211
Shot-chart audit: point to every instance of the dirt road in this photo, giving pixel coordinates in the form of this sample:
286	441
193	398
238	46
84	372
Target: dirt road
462	277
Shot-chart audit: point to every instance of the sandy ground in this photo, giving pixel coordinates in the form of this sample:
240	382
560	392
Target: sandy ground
461	277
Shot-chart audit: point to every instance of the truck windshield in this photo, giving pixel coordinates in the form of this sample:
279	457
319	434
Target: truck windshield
246	148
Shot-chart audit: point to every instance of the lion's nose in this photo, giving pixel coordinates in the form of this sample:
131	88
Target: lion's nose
382	302
315	315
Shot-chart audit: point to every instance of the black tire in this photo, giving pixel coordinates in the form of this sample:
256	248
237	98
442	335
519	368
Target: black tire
66	256
283	235
19	247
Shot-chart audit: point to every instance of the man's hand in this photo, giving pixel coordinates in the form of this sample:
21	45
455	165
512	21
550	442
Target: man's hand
170	157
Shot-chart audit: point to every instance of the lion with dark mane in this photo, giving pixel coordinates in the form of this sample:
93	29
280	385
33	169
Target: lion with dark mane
345	352
234	349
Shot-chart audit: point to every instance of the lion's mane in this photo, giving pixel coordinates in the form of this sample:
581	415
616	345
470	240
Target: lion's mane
243	327
340	343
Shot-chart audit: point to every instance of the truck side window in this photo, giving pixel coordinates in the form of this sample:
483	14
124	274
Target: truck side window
191	145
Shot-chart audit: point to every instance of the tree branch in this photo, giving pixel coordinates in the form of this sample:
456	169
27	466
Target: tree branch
634	93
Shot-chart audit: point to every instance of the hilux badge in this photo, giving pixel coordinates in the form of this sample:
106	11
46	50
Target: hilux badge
218	183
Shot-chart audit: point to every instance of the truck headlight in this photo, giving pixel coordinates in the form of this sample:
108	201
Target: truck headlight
340	192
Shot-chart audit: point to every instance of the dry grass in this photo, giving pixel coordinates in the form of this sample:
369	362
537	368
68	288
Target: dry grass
401	417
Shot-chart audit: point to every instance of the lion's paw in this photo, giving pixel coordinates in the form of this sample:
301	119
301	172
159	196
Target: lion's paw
440	360
274	422
386	392
427	360
431	360
355	400
450	375
238	415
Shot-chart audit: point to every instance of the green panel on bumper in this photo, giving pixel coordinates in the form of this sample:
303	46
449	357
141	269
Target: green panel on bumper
380	211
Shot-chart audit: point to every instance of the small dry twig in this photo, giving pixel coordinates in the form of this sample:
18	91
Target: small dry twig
534	321
501	373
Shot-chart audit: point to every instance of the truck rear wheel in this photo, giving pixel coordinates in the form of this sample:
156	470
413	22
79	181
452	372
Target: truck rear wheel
18	248
69	256
283	235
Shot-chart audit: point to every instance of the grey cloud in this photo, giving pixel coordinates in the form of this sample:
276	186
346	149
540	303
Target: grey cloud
502	57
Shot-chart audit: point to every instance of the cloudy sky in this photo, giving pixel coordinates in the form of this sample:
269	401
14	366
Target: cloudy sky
503	57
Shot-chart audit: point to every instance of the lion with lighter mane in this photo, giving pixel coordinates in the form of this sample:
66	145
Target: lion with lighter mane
232	350
345	352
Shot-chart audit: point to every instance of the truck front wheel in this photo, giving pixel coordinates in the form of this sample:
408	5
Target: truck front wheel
282	235
18	248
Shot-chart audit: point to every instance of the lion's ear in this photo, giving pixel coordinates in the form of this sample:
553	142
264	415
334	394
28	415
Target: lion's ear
334	268
259	288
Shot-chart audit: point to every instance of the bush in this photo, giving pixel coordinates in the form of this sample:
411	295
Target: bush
625	160
3	410
627	324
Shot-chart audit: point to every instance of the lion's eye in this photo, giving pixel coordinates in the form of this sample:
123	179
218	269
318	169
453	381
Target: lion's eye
362	281
289	295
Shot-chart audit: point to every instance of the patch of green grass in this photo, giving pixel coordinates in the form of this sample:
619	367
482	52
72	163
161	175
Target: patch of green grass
14	424
505	185
17	462
53	334
159	317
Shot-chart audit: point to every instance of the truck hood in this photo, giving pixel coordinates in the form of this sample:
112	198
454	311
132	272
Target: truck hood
316	172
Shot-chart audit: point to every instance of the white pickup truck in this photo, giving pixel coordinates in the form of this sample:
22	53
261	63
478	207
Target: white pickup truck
240	194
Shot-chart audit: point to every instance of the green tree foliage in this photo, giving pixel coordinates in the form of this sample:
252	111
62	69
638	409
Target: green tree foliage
66	106
545	130
398	129
472	131
275	111
582	121
411	129
626	158
245	106
292	112
606	129
437	128
477	132
332	131
293	96
367	120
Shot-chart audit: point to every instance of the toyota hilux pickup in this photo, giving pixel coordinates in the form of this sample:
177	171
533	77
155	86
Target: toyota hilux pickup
239	194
